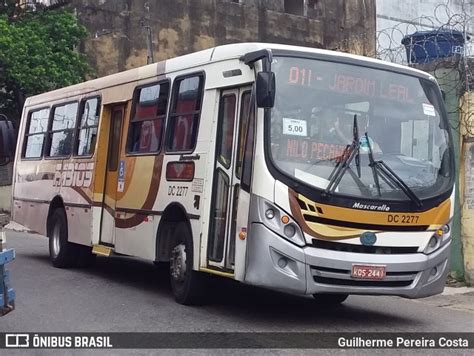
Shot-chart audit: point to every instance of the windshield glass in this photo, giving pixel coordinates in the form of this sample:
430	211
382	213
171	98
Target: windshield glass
324	110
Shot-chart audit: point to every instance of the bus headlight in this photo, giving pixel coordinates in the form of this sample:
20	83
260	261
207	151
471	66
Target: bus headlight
289	230
270	214
279	222
440	237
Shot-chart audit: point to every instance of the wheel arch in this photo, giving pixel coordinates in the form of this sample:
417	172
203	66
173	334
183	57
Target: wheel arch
174	214
56	203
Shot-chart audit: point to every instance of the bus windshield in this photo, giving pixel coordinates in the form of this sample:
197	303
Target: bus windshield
326	111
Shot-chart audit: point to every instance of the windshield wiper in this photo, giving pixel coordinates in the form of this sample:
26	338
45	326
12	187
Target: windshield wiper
355	133
350	152
388	175
373	165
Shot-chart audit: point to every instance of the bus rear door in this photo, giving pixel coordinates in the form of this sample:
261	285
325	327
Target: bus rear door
107	235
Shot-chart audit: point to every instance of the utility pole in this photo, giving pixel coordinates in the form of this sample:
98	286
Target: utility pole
148	33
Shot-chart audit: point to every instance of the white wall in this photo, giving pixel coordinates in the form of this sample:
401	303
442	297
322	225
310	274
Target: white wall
396	18
5	198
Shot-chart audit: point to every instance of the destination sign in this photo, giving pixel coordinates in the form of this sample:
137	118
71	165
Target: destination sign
310	150
340	82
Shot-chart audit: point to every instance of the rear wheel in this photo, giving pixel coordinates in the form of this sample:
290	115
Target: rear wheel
62	253
330	299
187	285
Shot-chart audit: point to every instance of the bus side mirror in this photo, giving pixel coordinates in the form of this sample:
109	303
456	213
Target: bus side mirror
265	89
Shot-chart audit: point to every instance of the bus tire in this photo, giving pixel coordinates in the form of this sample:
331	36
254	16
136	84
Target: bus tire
330	299
186	284
62	253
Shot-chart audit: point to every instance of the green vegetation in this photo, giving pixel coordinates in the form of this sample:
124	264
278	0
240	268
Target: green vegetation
37	54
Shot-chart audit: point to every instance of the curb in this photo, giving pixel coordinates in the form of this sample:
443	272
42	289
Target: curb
16	227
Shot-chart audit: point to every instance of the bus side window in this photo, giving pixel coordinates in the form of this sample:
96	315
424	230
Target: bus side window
146	125
62	130
247	164
86	135
37	128
184	115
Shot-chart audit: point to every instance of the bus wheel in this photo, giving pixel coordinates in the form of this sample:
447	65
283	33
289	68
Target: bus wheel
330	299
186	283
62	253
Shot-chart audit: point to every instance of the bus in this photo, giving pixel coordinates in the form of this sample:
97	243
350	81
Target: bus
296	169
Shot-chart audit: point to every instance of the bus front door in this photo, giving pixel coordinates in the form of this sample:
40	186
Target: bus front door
232	119
107	235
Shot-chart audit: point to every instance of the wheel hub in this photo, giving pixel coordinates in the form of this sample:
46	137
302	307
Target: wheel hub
56	240
178	263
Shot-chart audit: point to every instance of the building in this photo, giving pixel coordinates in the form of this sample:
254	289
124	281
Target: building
118	28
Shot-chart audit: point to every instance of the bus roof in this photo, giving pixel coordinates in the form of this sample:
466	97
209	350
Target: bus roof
196	59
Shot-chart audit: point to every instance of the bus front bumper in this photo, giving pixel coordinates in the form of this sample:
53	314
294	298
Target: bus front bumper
275	263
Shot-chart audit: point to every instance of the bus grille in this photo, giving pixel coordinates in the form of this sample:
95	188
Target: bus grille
342	277
382	250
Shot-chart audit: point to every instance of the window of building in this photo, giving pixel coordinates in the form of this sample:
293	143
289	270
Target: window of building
313	4
62	130
183	120
87	130
315	9
146	125
295	7
37	128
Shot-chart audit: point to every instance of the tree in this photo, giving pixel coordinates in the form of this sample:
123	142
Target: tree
10	8
37	54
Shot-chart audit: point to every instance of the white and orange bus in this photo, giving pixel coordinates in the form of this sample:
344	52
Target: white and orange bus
297	169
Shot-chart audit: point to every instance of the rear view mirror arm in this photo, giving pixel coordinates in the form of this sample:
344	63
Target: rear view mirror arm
252	57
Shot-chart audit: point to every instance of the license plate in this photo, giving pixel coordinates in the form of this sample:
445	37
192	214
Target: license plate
368	272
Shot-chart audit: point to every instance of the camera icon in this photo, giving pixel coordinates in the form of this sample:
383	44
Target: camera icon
17	340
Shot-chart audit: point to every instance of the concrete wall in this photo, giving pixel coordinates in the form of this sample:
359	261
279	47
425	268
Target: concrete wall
467	172
450	82
449	79
6	172
395	19
5	198
117	40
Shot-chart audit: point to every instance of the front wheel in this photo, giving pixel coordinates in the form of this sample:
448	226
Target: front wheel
186	284
62	253
330	299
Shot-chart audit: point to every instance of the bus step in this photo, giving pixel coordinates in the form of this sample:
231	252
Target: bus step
102	250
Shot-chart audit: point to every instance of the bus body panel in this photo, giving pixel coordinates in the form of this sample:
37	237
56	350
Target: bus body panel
414	276
264	186
33	191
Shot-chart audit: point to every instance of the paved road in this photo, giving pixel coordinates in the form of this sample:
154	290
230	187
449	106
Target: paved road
124	294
